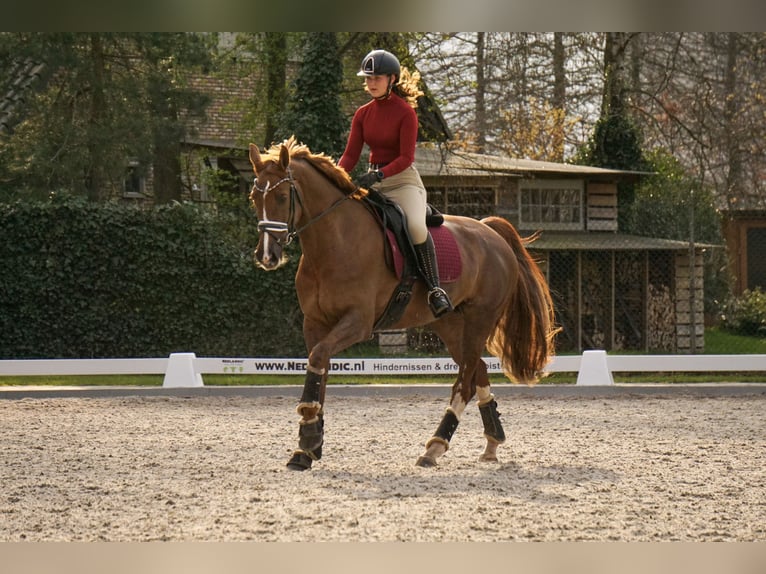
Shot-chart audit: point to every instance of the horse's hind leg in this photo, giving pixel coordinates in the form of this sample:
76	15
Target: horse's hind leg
438	444
462	342
490	417
493	428
452	333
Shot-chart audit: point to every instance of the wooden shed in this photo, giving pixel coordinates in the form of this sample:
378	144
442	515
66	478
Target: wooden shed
744	232
612	291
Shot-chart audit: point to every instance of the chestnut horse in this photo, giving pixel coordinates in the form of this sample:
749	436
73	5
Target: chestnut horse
344	284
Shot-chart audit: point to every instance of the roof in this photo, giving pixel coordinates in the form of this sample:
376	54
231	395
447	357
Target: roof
21	77
435	161
605	241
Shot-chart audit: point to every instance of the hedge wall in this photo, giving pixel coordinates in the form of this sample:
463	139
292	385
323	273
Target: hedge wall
80	280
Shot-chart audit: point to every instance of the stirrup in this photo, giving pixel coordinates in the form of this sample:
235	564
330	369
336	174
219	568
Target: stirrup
439	301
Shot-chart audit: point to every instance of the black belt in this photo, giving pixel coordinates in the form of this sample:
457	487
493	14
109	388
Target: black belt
376	166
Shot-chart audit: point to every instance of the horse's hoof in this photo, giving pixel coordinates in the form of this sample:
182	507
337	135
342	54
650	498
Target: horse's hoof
488	458
426	461
299	461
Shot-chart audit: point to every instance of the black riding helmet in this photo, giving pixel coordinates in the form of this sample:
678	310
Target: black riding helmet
380	63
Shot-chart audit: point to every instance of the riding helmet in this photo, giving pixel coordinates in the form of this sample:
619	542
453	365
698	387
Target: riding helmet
380	63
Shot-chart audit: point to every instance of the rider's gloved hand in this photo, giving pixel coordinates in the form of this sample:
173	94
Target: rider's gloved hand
367	180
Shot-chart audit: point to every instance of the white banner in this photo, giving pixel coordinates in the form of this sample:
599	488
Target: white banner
366	366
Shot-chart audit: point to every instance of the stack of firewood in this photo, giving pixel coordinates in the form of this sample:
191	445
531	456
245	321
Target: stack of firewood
661	325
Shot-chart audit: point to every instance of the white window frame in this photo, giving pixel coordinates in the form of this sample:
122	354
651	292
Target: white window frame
545	206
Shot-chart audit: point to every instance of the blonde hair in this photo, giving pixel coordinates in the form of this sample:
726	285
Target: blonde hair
407	86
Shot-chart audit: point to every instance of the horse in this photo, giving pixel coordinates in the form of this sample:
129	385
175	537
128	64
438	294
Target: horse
343	284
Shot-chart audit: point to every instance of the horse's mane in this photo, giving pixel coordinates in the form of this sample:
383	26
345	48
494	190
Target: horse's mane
324	163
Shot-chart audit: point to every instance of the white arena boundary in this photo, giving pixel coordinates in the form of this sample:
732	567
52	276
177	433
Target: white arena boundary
186	369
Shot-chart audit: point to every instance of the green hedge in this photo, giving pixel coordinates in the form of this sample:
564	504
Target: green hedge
81	279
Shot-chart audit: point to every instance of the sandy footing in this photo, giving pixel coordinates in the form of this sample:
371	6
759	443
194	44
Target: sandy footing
649	468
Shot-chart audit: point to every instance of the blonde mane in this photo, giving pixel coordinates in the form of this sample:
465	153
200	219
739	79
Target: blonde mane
324	163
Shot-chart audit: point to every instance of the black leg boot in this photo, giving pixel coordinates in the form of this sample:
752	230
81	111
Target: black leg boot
437	297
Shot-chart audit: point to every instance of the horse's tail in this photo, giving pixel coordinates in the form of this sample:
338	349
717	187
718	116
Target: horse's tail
523	336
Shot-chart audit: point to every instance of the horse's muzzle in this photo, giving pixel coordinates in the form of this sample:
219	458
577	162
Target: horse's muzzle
269	253
271	259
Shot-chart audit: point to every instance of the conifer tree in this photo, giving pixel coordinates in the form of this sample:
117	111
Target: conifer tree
313	113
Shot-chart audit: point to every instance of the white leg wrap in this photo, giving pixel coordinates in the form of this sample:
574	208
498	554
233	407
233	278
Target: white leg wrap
483	395
438	440
315	370
315	405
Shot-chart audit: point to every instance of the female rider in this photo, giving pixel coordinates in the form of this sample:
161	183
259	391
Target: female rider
388	124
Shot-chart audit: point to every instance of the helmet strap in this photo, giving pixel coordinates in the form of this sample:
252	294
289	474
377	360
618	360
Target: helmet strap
389	88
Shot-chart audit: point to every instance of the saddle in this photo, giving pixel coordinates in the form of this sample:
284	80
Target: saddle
400	253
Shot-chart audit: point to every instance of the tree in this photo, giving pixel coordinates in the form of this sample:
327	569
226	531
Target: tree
60	132
670	201
616	141
313	113
108	99
168	59
495	88
481	99
558	101
454	68
701	96
673	204
275	60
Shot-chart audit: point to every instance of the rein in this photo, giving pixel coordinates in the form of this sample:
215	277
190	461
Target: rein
272	227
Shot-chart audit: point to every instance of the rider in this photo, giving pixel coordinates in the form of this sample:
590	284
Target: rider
388	124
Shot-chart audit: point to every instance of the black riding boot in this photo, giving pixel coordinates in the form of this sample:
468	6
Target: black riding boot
437	297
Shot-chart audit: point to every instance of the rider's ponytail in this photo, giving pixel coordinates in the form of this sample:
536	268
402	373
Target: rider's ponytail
407	87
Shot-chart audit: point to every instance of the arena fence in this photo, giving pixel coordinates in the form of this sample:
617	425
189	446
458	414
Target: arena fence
186	369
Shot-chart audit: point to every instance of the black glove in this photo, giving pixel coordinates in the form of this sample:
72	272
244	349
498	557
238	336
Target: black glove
367	180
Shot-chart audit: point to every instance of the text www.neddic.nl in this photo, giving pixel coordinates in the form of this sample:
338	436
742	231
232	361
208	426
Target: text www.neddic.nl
364	366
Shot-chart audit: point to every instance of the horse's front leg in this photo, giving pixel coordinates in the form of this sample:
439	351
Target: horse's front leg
311	425
323	344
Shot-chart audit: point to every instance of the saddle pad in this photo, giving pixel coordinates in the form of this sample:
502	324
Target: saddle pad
447	254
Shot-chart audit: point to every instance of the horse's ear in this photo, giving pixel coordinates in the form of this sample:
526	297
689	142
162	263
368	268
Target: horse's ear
284	157
255	157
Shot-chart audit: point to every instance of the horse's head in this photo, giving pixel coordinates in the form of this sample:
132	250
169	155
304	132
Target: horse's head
276	203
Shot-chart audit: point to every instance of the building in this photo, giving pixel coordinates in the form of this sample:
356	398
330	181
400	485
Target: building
744	232
611	290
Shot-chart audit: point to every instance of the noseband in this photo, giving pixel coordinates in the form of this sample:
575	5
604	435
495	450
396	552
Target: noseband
272	227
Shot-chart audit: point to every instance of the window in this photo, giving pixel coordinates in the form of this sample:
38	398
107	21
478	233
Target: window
134	183
756	246
468	201
551	204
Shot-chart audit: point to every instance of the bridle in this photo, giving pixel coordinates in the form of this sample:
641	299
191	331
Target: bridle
273	227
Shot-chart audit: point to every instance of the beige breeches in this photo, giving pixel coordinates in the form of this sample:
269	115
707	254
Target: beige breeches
407	190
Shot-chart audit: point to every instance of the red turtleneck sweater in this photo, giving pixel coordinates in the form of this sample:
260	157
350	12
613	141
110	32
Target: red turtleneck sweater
390	128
